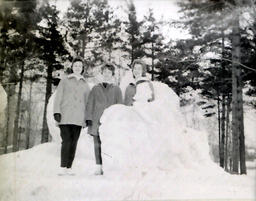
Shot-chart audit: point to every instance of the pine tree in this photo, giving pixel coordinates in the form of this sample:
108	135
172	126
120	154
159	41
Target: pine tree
152	42
26	24
133	44
7	71
199	28
109	32
248	58
22	21
80	25
51	51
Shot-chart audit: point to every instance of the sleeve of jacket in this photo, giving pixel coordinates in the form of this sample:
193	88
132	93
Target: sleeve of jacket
86	94
58	97
86	98
130	91
119	98
90	105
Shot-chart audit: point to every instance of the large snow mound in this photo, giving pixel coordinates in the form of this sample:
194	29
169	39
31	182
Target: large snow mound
152	136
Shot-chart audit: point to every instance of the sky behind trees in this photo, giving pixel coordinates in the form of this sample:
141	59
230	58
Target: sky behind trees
166	10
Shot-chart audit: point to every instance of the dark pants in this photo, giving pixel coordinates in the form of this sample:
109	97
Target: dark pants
97	149
69	135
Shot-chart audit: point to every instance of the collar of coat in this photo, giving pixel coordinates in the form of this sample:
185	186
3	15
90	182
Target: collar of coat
76	77
141	80
108	85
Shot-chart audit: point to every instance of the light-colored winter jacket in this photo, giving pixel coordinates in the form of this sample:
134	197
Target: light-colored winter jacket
99	99
71	99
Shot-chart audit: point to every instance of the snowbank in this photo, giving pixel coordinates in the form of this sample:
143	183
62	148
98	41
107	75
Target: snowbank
250	127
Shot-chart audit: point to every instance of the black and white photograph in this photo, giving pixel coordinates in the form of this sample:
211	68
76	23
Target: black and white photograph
127	100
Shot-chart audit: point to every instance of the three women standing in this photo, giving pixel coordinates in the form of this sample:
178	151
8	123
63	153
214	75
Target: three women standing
69	111
74	108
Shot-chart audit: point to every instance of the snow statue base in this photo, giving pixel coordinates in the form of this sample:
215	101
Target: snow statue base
151	136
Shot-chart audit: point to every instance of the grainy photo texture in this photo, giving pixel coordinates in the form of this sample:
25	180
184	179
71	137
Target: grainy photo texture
127	100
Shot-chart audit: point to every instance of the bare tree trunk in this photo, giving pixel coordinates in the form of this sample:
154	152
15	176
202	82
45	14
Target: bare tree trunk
45	131
237	103
12	105
29	117
7	119
109	54
16	122
19	131
235	75
153	65
179	73
132	53
222	155
219	124
239	94
222	149
227	134
241	126
83	36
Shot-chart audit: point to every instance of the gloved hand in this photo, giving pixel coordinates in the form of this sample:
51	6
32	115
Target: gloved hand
88	122
57	117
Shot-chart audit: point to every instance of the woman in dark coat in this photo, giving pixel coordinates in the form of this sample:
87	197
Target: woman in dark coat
102	96
132	92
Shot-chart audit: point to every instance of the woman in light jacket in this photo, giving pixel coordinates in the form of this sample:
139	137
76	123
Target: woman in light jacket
69	111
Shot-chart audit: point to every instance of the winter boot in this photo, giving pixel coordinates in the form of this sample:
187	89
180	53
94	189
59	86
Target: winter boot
99	170
70	172
62	171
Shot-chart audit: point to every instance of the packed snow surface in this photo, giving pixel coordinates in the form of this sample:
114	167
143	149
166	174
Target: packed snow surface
148	153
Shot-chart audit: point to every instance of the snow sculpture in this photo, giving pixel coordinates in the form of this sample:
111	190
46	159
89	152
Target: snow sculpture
150	136
147	136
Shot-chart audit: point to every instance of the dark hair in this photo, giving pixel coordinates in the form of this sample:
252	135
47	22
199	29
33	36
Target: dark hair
140	62
108	66
77	59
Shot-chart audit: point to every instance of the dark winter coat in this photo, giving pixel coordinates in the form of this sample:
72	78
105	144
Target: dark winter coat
130	92
70	100
99	99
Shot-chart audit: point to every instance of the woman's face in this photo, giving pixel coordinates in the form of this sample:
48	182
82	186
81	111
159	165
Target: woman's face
77	68
107	75
137	70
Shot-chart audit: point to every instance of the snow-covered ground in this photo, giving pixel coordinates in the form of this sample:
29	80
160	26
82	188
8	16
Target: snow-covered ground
31	175
148	153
